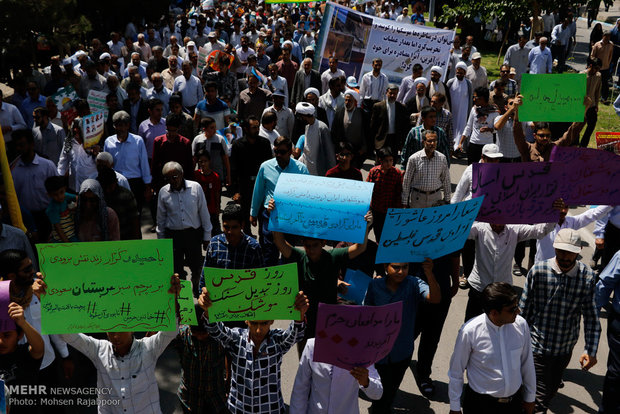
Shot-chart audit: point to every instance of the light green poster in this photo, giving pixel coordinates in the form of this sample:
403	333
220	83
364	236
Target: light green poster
119	286
187	311
252	294
553	97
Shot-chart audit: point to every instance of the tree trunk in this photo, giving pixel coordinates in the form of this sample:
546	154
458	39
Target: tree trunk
501	48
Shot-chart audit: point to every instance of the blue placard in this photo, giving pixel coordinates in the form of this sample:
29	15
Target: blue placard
321	207
359	282
412	234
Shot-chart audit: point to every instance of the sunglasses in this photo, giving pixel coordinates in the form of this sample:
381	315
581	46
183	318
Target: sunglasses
281	152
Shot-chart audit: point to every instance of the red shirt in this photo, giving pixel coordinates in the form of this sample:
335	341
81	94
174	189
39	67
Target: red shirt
212	187
165	150
388	188
350	174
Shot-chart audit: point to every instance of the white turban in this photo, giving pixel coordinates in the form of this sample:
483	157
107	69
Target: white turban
304	108
461	65
419	80
353	94
312	90
437	69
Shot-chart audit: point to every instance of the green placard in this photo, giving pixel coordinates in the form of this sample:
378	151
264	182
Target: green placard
187	310
119	286
252	294
553	97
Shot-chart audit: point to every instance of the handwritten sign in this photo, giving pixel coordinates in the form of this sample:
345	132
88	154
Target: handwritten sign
608	141
119	286
64	98
552	97
356	38
590	176
413	234
358	282
321	207
353	336
97	103
253	294
6	323
187	310
92	128
518	193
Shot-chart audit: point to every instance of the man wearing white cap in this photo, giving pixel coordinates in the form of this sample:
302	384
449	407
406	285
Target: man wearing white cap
213	43
331	72
557	293
318	154
348	126
477	74
436	85
460	92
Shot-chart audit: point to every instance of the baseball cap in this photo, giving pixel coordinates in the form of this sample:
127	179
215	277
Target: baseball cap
352	82
212	34
191	43
513	71
476	55
491	151
568	240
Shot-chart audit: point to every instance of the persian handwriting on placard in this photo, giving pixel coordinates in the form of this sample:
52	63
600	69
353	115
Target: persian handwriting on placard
557	98
369	319
117	256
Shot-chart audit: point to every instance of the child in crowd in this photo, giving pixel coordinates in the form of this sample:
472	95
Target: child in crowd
344	169
216	145
387	190
203	367
61	210
211	184
256	354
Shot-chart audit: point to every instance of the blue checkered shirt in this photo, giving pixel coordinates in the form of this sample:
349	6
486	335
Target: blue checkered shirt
553	302
246	255
255	383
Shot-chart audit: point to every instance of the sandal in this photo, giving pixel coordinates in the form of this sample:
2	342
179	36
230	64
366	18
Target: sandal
427	388
463	283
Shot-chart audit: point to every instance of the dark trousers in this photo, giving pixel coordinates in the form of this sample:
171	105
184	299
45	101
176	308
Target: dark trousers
605	75
549	370
611	386
429	324
44	227
265	238
591	118
137	188
378	220
474	304
469	256
612	243
215	223
558	52
187	248
391	376
474	403
474	153
520	251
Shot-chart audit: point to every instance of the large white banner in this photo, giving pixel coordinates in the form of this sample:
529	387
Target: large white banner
356	39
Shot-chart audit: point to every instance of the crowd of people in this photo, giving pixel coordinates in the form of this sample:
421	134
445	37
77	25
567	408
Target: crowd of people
216	102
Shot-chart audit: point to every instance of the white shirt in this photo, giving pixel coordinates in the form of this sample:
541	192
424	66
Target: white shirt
463	188
286	119
325	389
474	123
403	19
79	163
477	77
279	84
270	135
32	314
494	251
331	105
506	140
391	112
329	75
498	360
518	58
190	89
372	87
183	209
10	116
544	246
130	378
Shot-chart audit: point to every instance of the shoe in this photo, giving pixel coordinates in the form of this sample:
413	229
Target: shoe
463	283
153	229
561	384
427	388
516	270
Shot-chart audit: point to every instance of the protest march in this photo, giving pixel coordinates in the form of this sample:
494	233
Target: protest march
312	207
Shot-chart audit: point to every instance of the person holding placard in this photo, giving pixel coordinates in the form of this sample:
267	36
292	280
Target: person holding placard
396	286
325	388
319	269
125	365
256	354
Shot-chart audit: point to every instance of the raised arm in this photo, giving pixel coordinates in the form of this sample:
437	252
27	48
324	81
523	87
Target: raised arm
517	132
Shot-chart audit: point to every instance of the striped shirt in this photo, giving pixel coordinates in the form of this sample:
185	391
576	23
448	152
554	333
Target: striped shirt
553	303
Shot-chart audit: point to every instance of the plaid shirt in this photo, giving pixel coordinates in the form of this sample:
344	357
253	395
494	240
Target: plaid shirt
553	302
255	383
202	388
413	144
426	174
247	255
387	190
509	89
